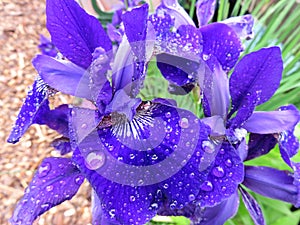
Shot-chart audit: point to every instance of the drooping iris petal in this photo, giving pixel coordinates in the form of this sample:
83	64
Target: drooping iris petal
260	74
272	122
55	181
215	87
225	173
242	25
57	119
63	76
35	103
172	8
260	144
74	32
222	42
47	47
146	160
205	10
288	142
62	145
220	213
273	183
253	207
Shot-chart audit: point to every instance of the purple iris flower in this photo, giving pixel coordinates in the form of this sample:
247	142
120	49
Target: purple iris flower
138	156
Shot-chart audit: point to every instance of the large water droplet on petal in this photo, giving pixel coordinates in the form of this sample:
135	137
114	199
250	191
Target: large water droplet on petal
207	186
218	171
208	147
184	123
95	160
44	169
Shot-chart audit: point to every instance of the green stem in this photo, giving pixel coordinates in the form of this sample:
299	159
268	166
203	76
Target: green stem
192	9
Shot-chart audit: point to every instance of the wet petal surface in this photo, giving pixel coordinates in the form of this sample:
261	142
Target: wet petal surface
55	181
205	10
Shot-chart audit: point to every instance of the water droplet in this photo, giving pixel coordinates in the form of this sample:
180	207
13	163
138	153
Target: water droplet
79	179
208	147
205	57
95	160
44	169
191	197
184	123
46	205
166	186
49	188
207	186
191	175
154	206
218	171
112	213
168	115
228	162
168	129
154	157
132	198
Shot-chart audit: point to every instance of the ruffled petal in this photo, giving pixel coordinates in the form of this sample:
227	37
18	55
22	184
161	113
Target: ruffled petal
75	38
253	207
154	153
63	76
55	181
222	42
220	213
242	25
273	183
205	10
260	73
35	103
272	122
260	144
225	174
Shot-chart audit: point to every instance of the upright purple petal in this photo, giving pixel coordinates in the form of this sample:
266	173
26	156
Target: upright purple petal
272	122
172	8
215	88
135	25
222	42
242	25
74	32
273	183
253	207
220	213
259	73
205	10
63	76
35	103
225	174
55	181
260	144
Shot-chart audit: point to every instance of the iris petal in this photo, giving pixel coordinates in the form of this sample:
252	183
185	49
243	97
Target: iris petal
242	25
55	181
205	11
75	38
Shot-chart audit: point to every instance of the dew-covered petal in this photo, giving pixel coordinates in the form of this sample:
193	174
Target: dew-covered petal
222	42
260	144
47	47
75	38
205	10
225	174
63	76
55	181
135	25
273	183
256	76
288	142
153	155
176	11
272	122
242	26
220	213
253	207
34	104
62	145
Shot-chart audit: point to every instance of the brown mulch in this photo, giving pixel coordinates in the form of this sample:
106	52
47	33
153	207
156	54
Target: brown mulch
21	23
